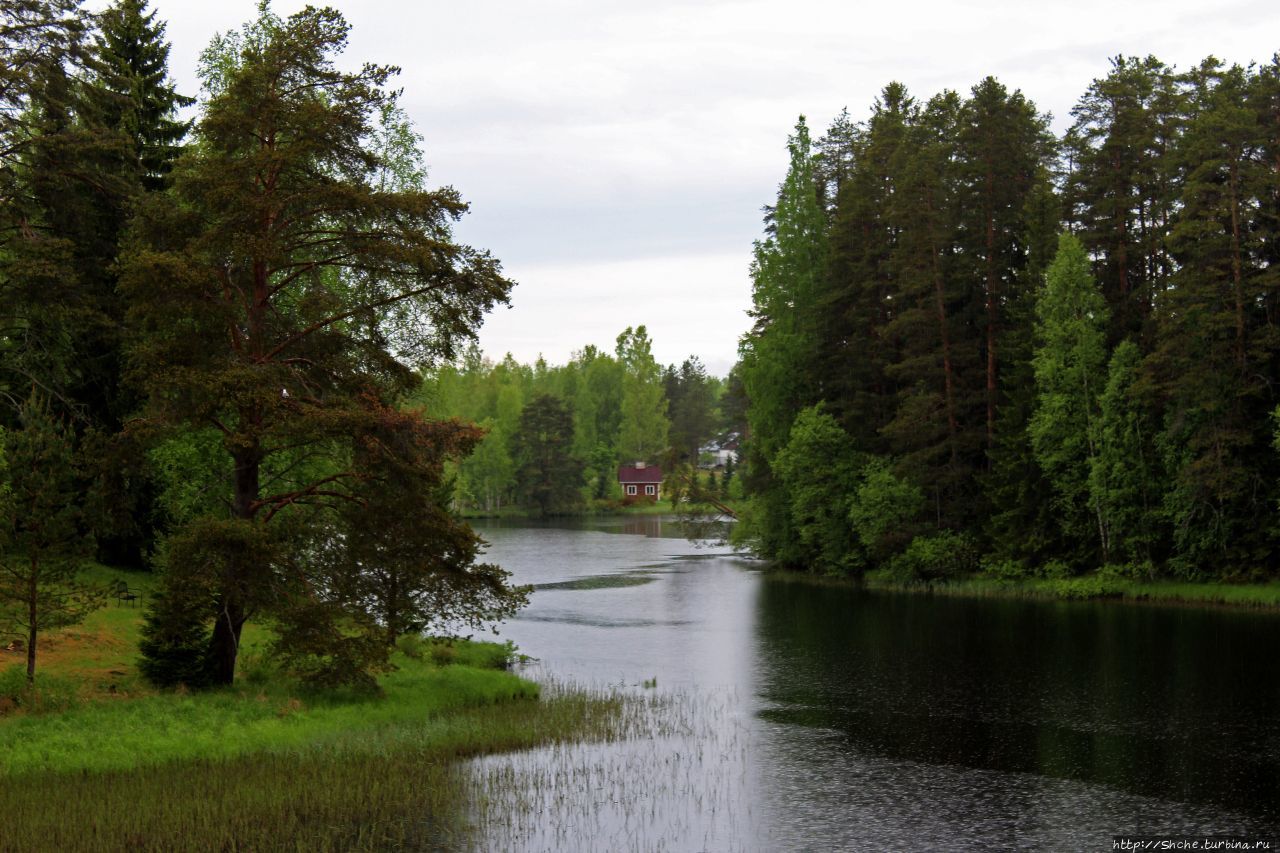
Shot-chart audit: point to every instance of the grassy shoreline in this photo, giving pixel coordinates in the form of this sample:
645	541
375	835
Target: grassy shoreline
96	759
1259	597
598	511
381	785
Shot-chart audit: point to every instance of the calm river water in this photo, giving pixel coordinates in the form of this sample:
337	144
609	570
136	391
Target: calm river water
818	718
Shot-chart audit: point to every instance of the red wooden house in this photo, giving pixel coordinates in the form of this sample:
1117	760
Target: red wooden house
640	481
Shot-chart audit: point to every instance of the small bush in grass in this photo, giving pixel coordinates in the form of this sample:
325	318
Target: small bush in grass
443	652
411	645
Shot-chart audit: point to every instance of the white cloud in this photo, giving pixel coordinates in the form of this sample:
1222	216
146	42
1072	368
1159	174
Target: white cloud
691	305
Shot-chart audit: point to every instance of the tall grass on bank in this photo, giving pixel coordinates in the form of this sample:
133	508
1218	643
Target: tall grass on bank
1096	587
384	786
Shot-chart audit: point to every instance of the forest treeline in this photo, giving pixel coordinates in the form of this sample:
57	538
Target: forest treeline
600	410
980	347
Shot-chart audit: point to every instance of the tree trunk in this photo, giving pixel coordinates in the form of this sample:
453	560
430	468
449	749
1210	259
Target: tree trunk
992	315
224	645
1237	275
940	304
33	620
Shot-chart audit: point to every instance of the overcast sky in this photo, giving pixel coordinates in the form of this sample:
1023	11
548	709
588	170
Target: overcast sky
616	154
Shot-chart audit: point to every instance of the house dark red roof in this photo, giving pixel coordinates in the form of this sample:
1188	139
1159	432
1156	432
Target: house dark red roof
632	474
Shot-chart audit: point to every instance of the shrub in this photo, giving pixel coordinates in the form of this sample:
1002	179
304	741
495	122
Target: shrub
256	668
411	645
940	557
1004	570
1139	571
443	653
1055	570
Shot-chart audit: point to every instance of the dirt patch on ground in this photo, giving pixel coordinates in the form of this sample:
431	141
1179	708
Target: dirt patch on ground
76	651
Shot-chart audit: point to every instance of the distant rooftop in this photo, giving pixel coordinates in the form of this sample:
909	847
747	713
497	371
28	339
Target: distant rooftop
640	473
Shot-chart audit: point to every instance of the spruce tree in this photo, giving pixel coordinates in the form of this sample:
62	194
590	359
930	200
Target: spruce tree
41	302
548	475
41	546
853	296
129	90
934	431
691	409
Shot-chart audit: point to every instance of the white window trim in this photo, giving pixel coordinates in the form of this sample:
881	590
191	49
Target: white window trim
631	490
650	490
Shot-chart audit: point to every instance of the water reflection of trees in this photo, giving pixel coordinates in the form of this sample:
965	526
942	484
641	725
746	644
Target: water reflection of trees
1174	703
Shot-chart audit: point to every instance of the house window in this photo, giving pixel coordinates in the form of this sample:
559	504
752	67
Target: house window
650	490
631	490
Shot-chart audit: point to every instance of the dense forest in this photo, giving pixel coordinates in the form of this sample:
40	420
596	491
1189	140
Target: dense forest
979	347
615	408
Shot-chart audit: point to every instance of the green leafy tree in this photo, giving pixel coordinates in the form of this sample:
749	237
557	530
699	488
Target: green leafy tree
778	354
489	470
1022	523
821	471
548	474
1070	371
884	509
299	280
644	426
1124	478
41	547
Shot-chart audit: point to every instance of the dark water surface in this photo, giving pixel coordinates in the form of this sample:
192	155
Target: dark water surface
821	718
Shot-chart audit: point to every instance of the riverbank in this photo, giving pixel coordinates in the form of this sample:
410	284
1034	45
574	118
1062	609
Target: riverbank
96	759
1087	588
602	509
